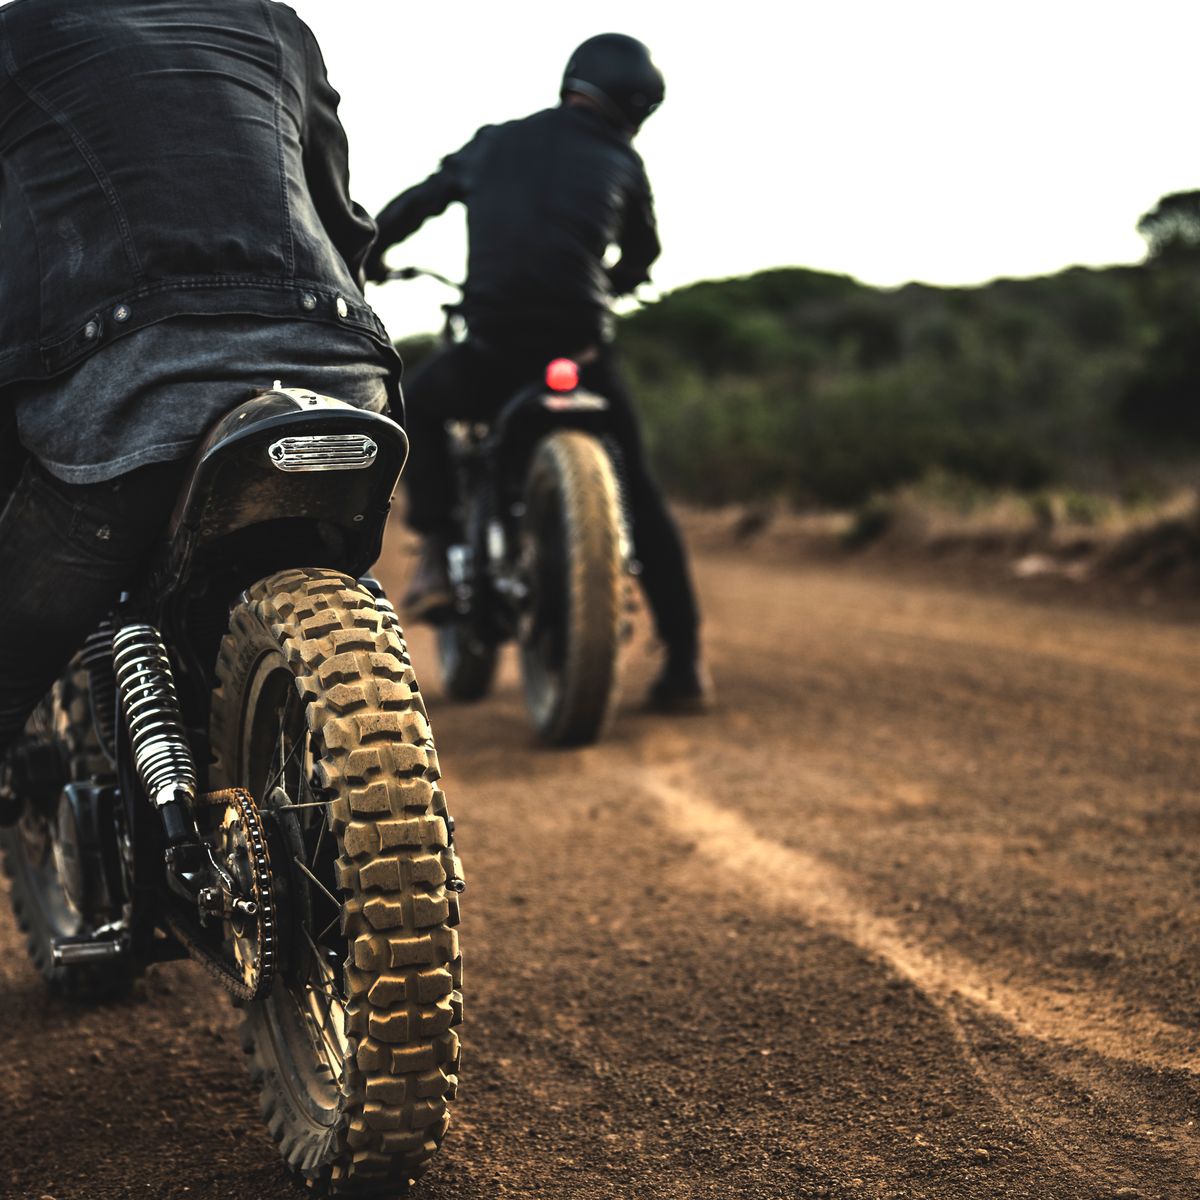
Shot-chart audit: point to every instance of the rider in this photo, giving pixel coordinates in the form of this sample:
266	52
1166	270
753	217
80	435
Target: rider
545	198
176	232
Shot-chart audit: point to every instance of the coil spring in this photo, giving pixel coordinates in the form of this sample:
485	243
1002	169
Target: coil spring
146	686
96	658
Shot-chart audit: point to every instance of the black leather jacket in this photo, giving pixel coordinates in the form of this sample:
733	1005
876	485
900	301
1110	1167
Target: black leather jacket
546	196
161	158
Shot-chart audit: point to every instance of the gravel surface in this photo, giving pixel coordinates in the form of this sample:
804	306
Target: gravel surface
912	913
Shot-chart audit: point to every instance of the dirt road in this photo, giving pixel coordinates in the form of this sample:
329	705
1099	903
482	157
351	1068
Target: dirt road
913	913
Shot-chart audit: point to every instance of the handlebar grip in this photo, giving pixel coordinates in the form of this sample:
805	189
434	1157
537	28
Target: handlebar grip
422	272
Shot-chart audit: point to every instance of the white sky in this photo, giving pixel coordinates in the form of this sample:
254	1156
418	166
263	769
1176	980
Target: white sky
950	142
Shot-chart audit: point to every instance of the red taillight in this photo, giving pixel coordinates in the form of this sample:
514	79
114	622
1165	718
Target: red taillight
562	375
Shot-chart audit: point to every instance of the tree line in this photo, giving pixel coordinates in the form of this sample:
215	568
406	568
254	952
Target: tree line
813	387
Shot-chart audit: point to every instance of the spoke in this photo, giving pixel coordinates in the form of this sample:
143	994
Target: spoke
287	700
321	964
332	898
317	847
306	804
282	742
327	1035
284	764
332	925
327	1024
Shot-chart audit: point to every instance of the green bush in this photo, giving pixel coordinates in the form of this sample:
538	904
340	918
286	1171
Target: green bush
817	389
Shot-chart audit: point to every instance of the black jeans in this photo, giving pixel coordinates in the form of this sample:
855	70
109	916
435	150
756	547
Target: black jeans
473	381
66	553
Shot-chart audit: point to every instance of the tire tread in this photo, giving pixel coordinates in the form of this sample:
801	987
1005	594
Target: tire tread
375	757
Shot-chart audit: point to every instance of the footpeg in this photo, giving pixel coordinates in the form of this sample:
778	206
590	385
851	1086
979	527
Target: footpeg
67	951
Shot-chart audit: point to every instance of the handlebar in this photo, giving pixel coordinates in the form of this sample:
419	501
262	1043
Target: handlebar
418	272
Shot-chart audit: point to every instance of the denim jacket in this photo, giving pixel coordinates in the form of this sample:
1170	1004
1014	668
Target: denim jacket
162	158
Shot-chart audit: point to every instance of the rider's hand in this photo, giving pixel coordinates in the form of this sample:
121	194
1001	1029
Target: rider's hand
375	270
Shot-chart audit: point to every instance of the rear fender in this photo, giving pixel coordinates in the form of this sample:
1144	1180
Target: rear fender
533	414
289	478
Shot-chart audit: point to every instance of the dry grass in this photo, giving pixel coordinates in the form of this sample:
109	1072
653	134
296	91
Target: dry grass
1057	532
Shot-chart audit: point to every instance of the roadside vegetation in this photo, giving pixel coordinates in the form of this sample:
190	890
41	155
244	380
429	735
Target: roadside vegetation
812	389
1058	415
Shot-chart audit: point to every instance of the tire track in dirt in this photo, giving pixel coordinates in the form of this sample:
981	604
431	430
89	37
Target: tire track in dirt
1104	1025
1090	1043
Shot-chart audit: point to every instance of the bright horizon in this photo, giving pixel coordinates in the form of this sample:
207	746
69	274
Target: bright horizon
933	141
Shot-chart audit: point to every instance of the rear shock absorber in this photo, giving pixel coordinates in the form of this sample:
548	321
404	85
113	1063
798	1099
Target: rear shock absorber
157	734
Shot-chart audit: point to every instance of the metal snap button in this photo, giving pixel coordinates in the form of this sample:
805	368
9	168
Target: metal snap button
342	308
308	302
121	312
91	330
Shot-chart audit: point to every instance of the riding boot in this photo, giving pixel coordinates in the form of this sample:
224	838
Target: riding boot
684	685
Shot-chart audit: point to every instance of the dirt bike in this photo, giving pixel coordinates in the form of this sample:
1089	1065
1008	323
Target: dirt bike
543	554
238	768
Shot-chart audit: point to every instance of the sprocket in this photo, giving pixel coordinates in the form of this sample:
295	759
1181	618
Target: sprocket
250	930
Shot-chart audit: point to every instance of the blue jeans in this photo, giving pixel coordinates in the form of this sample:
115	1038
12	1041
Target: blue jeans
67	551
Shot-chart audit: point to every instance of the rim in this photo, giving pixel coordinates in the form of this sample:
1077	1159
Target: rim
306	1009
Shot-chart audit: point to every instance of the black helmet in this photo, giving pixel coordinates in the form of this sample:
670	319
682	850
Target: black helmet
616	71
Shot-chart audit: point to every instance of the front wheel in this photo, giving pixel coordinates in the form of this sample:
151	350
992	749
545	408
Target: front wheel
573	560
317	713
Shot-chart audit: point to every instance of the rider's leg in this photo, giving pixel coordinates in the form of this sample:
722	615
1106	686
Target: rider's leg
455	383
665	578
429	481
67	551
429	476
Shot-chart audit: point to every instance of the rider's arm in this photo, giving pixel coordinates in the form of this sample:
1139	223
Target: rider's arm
327	169
411	209
638	239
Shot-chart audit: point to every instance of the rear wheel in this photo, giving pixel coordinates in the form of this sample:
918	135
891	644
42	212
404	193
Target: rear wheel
317	713
467	662
572	556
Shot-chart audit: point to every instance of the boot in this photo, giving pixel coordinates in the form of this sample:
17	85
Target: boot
430	594
683	686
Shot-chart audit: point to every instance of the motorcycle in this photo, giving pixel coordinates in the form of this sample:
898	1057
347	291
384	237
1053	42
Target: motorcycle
238	768
543	555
